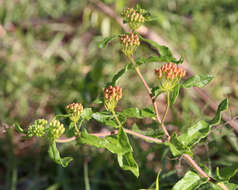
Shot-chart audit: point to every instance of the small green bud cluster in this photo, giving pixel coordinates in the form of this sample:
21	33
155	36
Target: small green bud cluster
111	97
75	110
37	129
129	43
169	75
55	130
134	18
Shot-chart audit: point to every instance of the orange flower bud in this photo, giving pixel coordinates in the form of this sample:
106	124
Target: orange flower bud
169	75
129	43
111	97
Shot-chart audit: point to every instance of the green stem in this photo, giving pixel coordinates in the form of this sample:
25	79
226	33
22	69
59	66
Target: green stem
76	128
115	116
167	108
86	179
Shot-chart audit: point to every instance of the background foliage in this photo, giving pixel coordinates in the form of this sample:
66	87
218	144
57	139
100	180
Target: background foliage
50	57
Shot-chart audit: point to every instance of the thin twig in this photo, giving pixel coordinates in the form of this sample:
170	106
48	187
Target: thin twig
141	77
195	166
65	140
201	172
108	133
151	96
143	136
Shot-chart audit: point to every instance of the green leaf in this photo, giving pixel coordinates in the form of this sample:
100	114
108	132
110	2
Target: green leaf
152	59
87	113
160	59
164	52
222	106
230	186
197	81
98	100
127	162
123	140
154	18
106	40
180	61
226	173
138	113
195	133
191	181
177	148
118	75
118	144
106	118
18	128
55	155
156	91
174	94
111	143
202	128
151	132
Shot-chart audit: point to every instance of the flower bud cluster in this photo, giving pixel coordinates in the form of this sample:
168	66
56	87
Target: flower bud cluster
75	110
134	18
129	43
55	130
37	129
171	71
111	97
169	75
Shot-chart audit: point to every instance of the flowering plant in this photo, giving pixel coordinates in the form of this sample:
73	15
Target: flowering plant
170	79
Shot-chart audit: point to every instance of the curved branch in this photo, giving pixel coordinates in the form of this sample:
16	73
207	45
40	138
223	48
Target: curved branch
108	133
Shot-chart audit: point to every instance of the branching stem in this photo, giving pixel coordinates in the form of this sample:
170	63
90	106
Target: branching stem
115	116
154	140
108	133
201	172
153	99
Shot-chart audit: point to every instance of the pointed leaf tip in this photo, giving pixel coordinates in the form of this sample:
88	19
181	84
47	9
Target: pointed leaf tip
191	181
106	40
55	155
18	128
198	81
222	107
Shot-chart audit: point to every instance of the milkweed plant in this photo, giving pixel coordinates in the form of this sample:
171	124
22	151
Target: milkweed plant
168	80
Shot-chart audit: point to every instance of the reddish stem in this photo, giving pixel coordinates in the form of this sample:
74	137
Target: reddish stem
108	133
151	97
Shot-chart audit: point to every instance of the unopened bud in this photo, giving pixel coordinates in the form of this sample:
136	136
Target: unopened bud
74	110
55	130
134	18
129	43
169	75
111	97
37	129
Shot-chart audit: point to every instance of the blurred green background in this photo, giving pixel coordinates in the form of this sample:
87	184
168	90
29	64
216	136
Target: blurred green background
49	57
